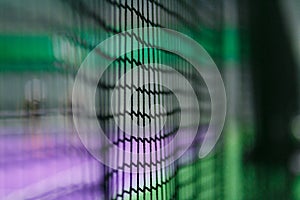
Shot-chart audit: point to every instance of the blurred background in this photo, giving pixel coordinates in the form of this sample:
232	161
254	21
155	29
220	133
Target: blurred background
256	46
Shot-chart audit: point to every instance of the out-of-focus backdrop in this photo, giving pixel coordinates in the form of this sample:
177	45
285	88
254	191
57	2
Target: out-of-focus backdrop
254	43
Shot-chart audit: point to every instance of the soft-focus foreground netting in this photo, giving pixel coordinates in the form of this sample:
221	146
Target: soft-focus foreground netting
41	119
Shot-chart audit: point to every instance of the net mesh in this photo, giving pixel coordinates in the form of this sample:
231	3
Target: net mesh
91	22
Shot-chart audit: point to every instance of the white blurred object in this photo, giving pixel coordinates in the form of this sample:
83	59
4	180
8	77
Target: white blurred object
35	90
